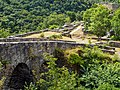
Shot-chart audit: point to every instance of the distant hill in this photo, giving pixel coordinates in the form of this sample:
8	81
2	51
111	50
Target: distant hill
26	15
18	16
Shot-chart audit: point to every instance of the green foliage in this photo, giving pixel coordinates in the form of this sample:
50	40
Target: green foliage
4	33
42	35
2	82
75	59
116	24
79	16
99	71
97	75
56	37
19	16
95	56
57	78
106	86
97	20
59	54
30	15
71	15
55	20
4	62
1	65
53	26
98	68
30	87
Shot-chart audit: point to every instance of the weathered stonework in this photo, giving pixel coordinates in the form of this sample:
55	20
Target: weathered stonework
114	44
111	6
28	52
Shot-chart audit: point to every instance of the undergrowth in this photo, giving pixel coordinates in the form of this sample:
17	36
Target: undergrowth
99	71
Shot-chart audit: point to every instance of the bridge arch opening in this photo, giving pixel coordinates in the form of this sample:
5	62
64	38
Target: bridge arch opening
21	76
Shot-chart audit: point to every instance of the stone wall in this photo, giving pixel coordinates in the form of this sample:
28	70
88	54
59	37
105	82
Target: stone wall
17	52
20	39
30	33
114	44
68	28
111	6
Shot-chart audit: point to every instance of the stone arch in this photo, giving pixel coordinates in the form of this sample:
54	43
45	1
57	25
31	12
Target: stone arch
20	76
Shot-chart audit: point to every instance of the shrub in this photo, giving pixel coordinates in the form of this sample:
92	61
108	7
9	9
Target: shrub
4	33
42	35
57	78
56	37
98	72
75	58
1	65
107	86
96	75
2	82
53	26
30	87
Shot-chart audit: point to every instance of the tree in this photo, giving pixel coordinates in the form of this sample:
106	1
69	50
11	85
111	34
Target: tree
71	15
116	24
86	17
79	16
55	20
4	33
98	20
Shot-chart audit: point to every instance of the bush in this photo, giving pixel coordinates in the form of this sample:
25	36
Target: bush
75	59
96	75
107	86
53	26
57	78
2	82
4	33
30	87
42	35
56	37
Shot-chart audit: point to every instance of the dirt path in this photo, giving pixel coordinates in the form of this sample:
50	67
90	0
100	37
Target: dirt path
78	36
46	34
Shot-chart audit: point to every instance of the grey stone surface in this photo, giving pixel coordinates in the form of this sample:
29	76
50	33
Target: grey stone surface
115	43
28	52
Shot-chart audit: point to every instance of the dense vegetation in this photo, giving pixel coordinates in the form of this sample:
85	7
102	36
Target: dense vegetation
97	71
19	16
97	19
100	20
81	69
77	69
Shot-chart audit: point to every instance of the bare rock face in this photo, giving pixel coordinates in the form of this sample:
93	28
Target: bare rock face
21	75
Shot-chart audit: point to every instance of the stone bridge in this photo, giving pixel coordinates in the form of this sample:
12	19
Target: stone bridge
21	57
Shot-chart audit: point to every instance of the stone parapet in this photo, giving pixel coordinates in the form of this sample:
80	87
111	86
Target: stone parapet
114	44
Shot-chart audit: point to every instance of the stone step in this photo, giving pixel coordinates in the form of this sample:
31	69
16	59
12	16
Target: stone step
102	38
107	47
115	43
100	43
108	51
